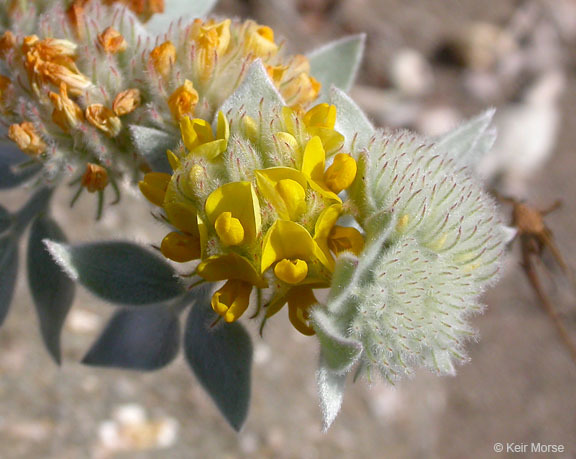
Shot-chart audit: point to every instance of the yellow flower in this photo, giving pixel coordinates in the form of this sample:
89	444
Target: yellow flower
300	300
230	266
66	114
104	119
287	240
318	121
112	41
183	100
27	139
259	40
126	102
235	207
232	299
180	247
285	189
199	139
344	238
95	178
341	173
153	186
163	57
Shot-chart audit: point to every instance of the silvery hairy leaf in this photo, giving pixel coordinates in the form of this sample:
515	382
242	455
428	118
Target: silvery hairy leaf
336	63
221	358
152	144
118	272
52	290
146	338
470	141
256	95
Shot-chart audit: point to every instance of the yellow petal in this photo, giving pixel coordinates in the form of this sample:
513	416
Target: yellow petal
210	150
321	115
180	247
223	127
324	224
229	229
230	266
343	238
287	239
331	140
154	186
314	159
288	198
180	212
232	300
341	173
291	271
173	160
300	299
238	198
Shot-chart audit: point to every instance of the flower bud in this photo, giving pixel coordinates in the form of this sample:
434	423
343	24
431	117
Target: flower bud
95	178
111	41
104	119
163	57
126	102
66	114
183	101
27	139
7	43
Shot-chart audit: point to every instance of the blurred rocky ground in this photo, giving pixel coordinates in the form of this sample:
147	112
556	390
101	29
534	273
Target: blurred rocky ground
428	65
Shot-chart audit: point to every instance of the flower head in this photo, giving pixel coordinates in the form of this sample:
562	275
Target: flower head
259	211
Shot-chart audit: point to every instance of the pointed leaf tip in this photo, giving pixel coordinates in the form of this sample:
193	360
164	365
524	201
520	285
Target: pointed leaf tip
52	290
118	272
336	63
221	359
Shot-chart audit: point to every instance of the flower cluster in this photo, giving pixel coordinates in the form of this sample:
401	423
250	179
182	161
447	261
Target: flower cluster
73	89
259	208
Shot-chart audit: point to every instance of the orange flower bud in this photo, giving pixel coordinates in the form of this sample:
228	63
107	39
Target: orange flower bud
95	178
75	15
163	57
104	119
183	101
112	41
4	85
126	102
7	42
26	137
67	114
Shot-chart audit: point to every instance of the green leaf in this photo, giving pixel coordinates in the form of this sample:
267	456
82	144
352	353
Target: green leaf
336	63
331	392
221	358
119	272
176	9
10	174
52	291
351	121
8	273
152	145
256	96
470	141
143	339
